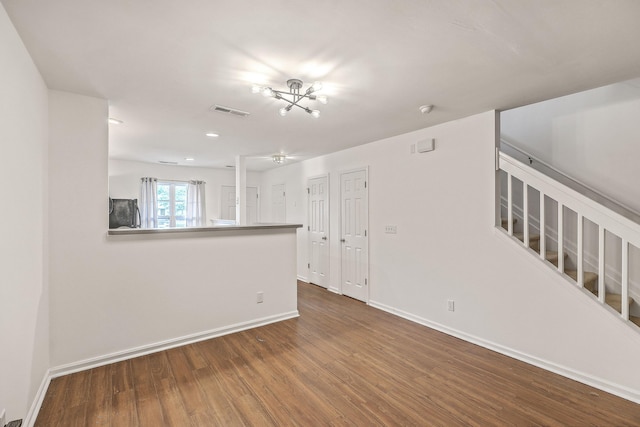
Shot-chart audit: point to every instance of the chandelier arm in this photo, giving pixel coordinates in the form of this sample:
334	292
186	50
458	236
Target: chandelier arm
295	95
300	106
297	99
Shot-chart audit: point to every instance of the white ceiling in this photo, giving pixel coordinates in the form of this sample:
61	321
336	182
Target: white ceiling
162	64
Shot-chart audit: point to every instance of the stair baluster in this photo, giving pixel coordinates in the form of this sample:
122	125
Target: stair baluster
543	229
606	220
560	237
580	243
601	291
624	300
525	214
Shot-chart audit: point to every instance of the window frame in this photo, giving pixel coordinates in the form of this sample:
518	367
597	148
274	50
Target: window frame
173	218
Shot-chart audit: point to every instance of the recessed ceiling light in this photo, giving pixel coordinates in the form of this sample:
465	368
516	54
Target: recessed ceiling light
189	159
212	135
113	121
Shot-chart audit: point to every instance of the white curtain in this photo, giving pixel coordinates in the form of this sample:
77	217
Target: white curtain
196	207
148	203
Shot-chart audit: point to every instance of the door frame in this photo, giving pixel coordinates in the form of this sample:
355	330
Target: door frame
340	219
284	190
328	266
222	204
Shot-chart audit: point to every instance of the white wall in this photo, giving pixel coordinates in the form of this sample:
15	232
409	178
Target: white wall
24	323
591	136
446	247
113	294
124	180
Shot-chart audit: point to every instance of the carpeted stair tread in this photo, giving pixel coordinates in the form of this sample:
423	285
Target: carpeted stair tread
614	300
532	237
589	278
505	222
552	257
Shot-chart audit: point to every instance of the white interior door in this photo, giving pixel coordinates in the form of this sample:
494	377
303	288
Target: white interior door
354	220
228	203
318	189
278	203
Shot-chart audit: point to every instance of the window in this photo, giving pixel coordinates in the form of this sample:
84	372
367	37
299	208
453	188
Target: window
172	204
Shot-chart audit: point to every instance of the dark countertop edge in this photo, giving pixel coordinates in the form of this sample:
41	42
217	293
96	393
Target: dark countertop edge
265	226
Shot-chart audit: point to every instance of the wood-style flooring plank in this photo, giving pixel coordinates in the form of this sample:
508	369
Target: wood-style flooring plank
147	404
99	399
123	400
341	363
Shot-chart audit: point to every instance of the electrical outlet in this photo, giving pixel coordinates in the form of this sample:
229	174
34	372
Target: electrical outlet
451	305
391	229
260	297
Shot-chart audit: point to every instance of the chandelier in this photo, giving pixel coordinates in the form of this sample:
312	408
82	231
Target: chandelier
279	158
294	96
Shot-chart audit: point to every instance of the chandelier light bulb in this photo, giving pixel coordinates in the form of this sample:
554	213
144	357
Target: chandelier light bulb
283	111
279	158
322	99
316	86
267	91
256	89
315	113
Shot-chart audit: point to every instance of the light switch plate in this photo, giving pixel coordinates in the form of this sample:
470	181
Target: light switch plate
391	229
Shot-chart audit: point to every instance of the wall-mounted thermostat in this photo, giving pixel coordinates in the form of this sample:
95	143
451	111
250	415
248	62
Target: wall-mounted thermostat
426	145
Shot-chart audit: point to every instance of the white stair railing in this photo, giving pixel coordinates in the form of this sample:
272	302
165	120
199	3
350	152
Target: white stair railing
606	220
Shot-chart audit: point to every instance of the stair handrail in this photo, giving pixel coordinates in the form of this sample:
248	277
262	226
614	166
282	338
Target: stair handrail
575	184
605	218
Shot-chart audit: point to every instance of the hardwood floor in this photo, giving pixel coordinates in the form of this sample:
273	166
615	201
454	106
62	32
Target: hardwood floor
340	363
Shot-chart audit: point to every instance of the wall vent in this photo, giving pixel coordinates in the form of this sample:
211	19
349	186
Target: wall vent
228	110
164	162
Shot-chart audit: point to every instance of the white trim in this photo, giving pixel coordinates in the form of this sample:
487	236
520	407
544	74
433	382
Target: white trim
613	275
599	383
303	279
328	233
32	415
368	231
119	356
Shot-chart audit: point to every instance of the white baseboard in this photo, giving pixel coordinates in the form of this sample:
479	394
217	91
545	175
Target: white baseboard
303	279
601	384
30	418
165	345
94	362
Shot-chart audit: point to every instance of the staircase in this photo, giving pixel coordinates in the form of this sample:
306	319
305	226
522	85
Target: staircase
590	279
524	188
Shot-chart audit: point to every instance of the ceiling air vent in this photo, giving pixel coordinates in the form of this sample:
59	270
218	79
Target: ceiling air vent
228	110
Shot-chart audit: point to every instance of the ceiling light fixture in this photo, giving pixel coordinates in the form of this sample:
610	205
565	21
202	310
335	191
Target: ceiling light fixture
279	158
293	96
425	109
212	135
113	121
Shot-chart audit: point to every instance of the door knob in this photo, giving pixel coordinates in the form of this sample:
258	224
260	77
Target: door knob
324	237
342	240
